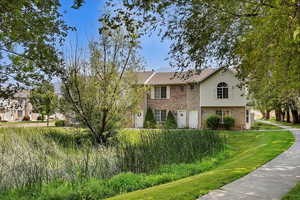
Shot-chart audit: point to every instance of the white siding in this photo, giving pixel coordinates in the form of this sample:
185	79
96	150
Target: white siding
208	91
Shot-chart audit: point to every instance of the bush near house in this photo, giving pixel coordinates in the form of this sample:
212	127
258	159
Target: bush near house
150	121
228	122
213	122
171	122
26	118
60	123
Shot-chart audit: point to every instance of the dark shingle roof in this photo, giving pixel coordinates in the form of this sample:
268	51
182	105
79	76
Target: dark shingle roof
168	78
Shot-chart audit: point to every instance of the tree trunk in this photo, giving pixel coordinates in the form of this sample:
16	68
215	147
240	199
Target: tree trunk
278	115
282	116
48	119
295	116
288	117
266	115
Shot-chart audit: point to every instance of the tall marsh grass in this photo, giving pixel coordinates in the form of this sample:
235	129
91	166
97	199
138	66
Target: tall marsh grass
35	156
153	149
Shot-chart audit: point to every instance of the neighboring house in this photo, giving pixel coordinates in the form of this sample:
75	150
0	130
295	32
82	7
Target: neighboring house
193	100
17	107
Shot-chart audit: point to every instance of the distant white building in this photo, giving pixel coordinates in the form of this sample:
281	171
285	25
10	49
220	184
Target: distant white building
17	107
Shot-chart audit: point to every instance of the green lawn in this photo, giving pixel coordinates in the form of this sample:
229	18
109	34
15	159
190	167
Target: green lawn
294	194
24	122
286	123
264	126
249	150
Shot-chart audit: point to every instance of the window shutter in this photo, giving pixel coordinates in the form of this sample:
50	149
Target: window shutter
152	92
168	92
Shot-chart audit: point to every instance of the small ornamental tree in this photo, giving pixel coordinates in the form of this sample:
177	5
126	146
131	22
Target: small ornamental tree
150	121
171	121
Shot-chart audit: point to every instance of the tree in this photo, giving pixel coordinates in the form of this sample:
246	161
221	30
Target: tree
102	91
149	121
259	38
171	121
30	33
44	100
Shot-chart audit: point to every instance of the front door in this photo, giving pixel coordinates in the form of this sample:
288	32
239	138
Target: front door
181	118
139	120
193	119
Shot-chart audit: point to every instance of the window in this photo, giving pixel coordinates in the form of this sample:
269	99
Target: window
182	88
160	92
222	91
160	115
247	116
222	114
192	86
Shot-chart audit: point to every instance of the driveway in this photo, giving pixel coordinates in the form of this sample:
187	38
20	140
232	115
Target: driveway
269	182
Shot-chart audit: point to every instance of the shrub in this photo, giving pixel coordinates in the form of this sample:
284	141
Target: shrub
40	117
150	121
228	122
171	121
213	122
26	118
60	123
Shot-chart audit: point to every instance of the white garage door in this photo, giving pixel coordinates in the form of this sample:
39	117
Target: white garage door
181	118
139	120
193	119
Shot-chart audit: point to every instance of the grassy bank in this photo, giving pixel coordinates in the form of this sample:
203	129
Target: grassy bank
286	123
294	194
57	163
249	150
264	126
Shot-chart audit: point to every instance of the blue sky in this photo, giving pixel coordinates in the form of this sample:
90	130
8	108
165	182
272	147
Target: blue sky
85	20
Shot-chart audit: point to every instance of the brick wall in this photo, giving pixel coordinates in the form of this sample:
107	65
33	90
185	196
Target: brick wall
238	113
177	100
193	97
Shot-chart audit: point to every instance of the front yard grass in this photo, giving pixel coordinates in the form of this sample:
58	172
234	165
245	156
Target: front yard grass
25	122
264	126
248	151
294	194
286	123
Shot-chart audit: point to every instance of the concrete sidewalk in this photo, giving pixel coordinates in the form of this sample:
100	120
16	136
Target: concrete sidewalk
269	182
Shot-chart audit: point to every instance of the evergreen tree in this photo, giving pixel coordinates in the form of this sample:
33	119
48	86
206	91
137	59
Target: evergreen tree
150	121
171	121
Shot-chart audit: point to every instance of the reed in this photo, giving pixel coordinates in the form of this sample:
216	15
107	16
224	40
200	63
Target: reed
33	157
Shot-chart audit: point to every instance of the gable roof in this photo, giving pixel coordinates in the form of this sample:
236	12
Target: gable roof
169	78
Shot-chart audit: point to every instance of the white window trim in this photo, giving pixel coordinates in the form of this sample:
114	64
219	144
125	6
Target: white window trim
222	91
159	120
223	114
160	92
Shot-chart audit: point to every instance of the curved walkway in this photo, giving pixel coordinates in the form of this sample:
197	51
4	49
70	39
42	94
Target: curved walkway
269	182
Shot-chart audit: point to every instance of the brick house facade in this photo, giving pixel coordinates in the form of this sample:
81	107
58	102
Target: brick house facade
193	100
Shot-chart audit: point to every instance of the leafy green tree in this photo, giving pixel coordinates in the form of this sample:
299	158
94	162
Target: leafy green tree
100	92
31	32
44	100
149	121
260	39
171	121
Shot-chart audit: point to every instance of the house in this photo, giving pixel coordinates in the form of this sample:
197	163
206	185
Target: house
213	91
17	107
